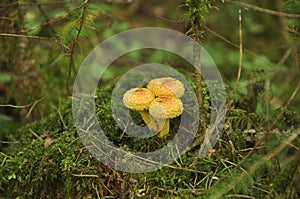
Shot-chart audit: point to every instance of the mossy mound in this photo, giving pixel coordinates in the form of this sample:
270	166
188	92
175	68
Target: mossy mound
47	159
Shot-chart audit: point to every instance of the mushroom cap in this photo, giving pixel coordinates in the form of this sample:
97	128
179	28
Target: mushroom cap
165	107
138	99
166	86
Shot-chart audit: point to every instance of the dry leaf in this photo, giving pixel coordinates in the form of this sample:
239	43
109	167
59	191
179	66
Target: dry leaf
48	142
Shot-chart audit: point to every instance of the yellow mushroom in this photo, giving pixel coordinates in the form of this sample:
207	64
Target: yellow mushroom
162	109
166	86
139	99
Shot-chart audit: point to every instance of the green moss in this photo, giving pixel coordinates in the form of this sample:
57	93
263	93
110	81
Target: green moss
283	179
65	169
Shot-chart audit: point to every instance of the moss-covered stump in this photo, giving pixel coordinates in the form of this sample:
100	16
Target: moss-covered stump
48	160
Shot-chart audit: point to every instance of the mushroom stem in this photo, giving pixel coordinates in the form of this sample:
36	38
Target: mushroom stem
165	129
152	123
146	117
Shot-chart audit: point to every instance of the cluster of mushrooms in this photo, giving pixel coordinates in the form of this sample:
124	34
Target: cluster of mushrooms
157	103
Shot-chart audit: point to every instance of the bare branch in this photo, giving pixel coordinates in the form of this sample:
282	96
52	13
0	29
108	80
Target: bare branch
230	42
33	3
240	50
23	106
26	36
57	18
71	63
264	10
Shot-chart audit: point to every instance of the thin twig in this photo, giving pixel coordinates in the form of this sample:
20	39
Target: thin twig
240	50
62	119
33	105
264	10
34	37
3	162
287	54
85	175
22	106
239	196
35	135
267	88
32	3
45	14
7	18
16	106
230	42
8	142
71	63
26	36
57	18
1	153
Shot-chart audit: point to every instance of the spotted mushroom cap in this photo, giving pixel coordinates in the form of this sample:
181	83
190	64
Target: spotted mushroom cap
165	107
138	98
166	86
